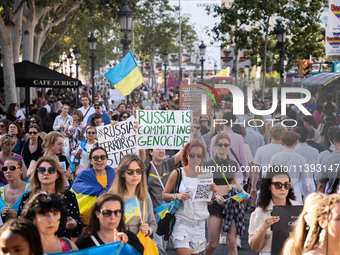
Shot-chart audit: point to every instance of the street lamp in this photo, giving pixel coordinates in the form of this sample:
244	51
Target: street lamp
70	63
215	67
65	63
61	65
280	32
125	19
202	53
77	56
92	46
165	54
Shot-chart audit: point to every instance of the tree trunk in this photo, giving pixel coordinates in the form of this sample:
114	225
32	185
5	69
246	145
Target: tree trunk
264	64
8	65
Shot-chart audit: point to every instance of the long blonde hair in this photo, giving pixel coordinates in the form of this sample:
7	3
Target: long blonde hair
119	185
301	225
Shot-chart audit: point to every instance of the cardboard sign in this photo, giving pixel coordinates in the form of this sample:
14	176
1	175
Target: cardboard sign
283	228
163	129
118	141
190	98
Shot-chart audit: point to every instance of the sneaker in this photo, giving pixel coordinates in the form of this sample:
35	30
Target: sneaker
238	242
223	240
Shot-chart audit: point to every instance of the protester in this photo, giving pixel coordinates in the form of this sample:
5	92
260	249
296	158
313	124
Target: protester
93	182
106	224
7	143
86	109
325	236
96	120
12	193
47	211
3	124
303	226
32	148
189	230
46	120
323	139
330	105
75	130
130	183
48	176
99	111
309	122
253	138
15	130
230	212
63	119
311	140
124	116
85	147
12	111
276	189
20	236
318	114
311	105
37	121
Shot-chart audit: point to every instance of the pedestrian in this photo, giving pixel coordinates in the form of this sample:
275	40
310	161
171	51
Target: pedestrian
75	130
276	189
63	119
32	147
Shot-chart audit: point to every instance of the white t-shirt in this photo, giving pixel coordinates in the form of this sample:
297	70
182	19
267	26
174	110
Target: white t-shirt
48	108
20	115
250	157
85	156
88	111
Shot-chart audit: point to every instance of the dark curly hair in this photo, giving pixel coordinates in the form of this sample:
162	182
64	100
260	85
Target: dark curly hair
187	148
44	202
265	193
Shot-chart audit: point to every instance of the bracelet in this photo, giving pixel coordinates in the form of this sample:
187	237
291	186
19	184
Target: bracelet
174	196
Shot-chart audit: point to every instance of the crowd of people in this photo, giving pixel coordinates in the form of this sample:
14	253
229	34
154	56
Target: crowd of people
52	158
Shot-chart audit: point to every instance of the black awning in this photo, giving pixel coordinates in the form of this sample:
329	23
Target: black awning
34	75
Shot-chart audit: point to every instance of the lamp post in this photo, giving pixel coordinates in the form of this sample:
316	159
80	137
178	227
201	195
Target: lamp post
76	54
125	19
70	63
215	67
165	54
65	63
202	53
92	46
280	32
61	65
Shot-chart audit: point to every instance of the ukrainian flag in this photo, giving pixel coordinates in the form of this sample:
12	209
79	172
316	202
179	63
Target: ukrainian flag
125	76
131	210
239	197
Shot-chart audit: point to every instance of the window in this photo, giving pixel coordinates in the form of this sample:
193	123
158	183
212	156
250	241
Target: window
325	9
325	19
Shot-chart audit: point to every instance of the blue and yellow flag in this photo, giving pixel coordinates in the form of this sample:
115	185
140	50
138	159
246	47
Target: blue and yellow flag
125	76
239	197
131	210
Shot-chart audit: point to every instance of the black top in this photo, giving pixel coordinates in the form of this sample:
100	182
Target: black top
27	156
330	107
227	166
315	145
86	242
71	203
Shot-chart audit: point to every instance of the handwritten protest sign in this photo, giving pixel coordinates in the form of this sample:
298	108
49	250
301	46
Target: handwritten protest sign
203	191
283	228
118	141
163	129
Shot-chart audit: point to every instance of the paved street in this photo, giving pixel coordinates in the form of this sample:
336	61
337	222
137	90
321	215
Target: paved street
222	249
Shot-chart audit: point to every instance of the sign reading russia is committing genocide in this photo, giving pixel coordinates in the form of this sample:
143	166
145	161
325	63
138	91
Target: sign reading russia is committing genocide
163	129
118	141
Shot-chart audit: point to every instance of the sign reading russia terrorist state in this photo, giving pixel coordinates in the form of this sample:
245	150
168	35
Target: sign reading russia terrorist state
163	129
118	141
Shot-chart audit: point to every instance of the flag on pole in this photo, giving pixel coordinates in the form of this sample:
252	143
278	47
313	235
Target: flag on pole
125	76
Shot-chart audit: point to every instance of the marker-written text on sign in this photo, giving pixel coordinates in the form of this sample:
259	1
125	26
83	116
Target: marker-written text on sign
163	129
118	141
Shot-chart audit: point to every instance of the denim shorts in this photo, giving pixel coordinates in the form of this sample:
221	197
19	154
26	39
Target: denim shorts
189	235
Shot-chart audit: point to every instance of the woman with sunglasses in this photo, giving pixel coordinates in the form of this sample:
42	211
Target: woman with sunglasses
106	224
75	130
32	147
188	235
20	235
12	193
3	125
48	176
85	147
276	189
223	210
35	119
7	144
48	213
15	130
130	183
93	182
124	116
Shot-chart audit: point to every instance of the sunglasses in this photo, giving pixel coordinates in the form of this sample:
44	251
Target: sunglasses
223	144
32	133
108	213
50	170
2	126
197	127
33	121
91	133
199	156
12	168
97	107
125	117
49	197
278	185
131	171
96	158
